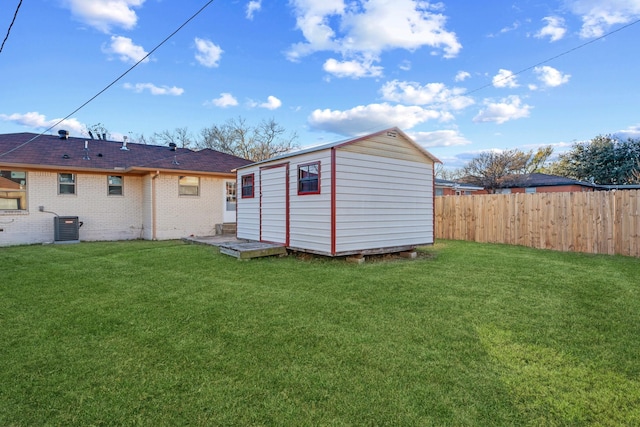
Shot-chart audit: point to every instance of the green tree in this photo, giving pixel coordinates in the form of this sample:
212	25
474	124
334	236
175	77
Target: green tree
603	160
256	143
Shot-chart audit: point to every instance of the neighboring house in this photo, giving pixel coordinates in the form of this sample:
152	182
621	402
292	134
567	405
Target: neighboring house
117	191
366	195
544	183
540	183
454	188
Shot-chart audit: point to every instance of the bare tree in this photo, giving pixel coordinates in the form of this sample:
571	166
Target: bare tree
256	143
448	174
98	130
493	170
179	136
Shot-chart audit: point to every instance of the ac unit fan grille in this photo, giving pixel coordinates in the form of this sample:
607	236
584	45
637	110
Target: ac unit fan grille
67	228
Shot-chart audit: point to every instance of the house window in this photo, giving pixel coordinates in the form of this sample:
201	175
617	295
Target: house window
439	191
114	184
13	190
66	183
231	196
503	191
247	186
530	190
189	186
309	178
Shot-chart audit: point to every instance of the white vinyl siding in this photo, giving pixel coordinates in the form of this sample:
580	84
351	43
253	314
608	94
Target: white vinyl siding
382	202
248	209
310	214
273	204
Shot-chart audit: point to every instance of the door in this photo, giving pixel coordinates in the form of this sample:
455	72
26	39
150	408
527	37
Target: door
229	208
274	204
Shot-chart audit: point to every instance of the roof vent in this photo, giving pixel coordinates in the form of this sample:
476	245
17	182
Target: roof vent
392	133
172	145
91	134
124	144
64	134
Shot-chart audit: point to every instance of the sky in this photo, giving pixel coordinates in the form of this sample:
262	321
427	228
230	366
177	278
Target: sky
459	77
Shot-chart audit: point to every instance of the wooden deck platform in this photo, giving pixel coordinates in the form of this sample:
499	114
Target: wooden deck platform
248	250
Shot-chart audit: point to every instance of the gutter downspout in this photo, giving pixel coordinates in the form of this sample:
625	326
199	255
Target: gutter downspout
153	206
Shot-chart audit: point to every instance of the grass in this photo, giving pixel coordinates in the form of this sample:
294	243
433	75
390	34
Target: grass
166	333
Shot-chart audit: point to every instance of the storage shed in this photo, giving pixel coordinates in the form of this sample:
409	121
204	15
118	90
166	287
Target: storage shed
367	195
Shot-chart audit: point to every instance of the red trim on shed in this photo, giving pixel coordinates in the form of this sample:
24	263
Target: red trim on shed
333	201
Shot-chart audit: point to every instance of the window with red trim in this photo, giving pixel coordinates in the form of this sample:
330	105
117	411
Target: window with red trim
247	186
309	178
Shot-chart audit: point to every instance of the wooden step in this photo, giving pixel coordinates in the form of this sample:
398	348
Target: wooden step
248	250
226	228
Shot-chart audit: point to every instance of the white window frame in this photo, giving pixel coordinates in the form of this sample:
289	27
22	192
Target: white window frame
186	186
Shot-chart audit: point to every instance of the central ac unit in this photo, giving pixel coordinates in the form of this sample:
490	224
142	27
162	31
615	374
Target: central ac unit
67	228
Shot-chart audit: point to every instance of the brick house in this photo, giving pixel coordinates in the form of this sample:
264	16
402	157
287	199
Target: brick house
118	191
544	183
445	187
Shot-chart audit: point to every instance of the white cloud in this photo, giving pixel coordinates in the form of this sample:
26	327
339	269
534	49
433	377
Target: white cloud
405	65
462	76
354	69
599	16
505	78
153	89
371	27
124	48
508	29
632	132
252	7
104	14
208	53
39	121
224	100
555	29
353	121
430	94
272	103
551	77
440	138
509	108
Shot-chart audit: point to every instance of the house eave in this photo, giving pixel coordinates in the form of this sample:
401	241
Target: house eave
119	170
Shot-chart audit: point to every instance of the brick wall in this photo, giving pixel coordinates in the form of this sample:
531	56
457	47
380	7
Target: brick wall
105	217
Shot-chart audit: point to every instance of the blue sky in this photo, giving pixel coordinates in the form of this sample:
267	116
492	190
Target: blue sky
450	74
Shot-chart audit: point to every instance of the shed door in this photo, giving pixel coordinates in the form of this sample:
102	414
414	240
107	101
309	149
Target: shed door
274	204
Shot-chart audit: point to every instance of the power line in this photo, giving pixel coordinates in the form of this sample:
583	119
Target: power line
11	25
114	81
566	52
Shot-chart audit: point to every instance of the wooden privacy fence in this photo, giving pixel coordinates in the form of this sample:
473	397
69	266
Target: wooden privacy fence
600	222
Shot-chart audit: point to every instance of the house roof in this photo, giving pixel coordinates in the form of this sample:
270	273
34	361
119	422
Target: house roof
341	143
455	184
31	150
544	180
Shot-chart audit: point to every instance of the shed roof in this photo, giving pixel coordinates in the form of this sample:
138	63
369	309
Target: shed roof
52	152
344	142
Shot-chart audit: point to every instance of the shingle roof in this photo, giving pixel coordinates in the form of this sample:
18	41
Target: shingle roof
545	180
48	151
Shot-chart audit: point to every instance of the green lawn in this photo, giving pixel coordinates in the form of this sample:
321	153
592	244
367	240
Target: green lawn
166	333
